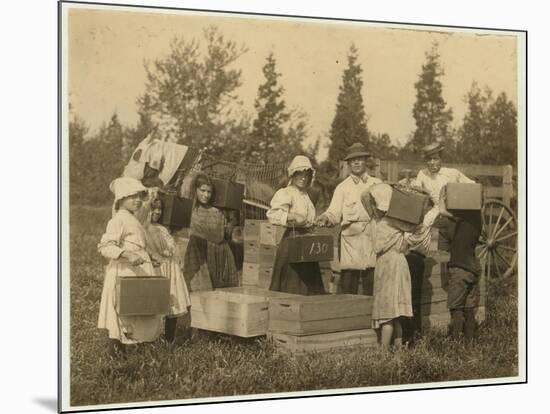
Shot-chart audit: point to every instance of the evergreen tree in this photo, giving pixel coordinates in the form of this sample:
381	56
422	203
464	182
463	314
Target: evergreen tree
432	118
349	124
190	93
500	146
473	131
276	133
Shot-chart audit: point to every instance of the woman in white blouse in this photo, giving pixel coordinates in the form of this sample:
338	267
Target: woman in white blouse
291	207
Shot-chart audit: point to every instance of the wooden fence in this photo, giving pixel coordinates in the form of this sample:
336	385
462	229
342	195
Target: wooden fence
393	171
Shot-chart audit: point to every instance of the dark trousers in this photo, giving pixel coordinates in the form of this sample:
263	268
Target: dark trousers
412	326
349	281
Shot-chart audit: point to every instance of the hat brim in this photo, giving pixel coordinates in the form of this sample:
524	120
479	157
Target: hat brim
432	152
357	155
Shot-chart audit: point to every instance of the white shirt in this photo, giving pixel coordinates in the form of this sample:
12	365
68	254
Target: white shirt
434	182
290	200
345	206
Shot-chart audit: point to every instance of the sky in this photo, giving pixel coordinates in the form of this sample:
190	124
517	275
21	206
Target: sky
107	50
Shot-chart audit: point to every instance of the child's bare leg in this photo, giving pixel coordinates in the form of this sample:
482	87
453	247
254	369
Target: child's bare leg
397	333
386	334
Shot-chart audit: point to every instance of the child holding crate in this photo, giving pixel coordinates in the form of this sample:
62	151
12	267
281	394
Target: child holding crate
392	279
208	250
162	247
124	244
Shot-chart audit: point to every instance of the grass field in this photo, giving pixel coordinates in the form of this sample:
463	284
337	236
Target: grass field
210	364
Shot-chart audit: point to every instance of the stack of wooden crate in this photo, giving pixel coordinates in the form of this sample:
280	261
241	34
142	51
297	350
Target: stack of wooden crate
301	324
260	247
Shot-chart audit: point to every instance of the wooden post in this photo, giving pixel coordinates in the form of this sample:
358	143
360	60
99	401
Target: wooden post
393	171
507	184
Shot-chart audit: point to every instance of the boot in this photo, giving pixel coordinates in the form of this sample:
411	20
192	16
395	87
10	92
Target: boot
457	323
469	323
170	325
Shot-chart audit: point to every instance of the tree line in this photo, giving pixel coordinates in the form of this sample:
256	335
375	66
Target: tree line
190	98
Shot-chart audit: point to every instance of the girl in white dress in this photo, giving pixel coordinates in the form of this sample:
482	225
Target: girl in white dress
124	245
162	247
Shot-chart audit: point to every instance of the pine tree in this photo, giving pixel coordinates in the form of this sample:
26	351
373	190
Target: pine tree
349	124
500	146
276	132
473	131
77	135
432	118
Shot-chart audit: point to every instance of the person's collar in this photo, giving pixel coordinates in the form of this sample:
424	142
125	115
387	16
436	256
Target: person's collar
364	177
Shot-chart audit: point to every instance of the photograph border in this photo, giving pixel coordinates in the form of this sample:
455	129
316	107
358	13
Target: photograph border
522	154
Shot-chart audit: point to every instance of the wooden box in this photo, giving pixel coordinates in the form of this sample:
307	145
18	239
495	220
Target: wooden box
176	211
142	295
251	274
271	234
264	277
229	312
409	207
308	315
241	311
252	229
227	194
299	345
463	196
267	254
310	248
251	252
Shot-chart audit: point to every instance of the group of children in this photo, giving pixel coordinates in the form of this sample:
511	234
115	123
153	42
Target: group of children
136	244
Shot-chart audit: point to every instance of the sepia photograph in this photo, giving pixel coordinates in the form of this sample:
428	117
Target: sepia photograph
259	206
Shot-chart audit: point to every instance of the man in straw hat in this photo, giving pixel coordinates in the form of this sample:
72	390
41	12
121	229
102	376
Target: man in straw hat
357	258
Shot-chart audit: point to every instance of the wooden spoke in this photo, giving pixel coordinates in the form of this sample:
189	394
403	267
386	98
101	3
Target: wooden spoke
488	265
510	249
496	223
497	266
497	232
508	264
514	233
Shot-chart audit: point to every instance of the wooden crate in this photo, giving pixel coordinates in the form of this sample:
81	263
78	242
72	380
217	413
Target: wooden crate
310	248
271	234
267	254
299	345
463	196
142	295
251	252
264	277
176	212
251	273
252	230
308	315
230	313
227	194
408	207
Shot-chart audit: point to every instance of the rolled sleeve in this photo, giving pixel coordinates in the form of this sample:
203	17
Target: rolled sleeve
280	206
334	210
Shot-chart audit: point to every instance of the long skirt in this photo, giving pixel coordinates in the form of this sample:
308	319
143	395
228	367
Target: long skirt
296	278
392	288
216	257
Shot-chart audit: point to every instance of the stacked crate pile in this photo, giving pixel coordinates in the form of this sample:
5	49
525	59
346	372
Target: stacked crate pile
260	246
301	324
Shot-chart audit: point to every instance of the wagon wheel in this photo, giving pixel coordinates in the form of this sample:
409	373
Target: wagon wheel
498	241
